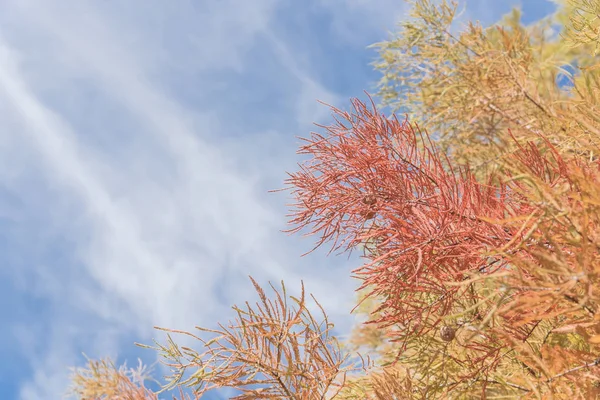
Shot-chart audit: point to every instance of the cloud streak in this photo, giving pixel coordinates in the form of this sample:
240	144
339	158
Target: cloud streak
172	222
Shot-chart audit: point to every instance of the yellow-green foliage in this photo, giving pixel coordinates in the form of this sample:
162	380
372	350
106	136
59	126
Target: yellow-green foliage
470	87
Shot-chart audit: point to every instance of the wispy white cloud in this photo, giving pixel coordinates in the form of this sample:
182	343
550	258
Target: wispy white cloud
172	226
357	21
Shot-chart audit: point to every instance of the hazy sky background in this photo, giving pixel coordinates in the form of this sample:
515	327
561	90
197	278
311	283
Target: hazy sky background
138	141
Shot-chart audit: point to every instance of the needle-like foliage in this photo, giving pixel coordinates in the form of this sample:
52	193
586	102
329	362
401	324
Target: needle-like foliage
468	87
368	181
102	380
474	277
274	350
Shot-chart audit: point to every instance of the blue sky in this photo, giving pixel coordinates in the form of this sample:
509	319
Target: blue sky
138	142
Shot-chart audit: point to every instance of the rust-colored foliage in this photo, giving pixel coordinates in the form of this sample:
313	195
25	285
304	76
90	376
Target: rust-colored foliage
390	383
101	380
426	227
485	264
273	351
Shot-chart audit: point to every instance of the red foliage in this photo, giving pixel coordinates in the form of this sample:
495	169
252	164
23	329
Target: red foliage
371	181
